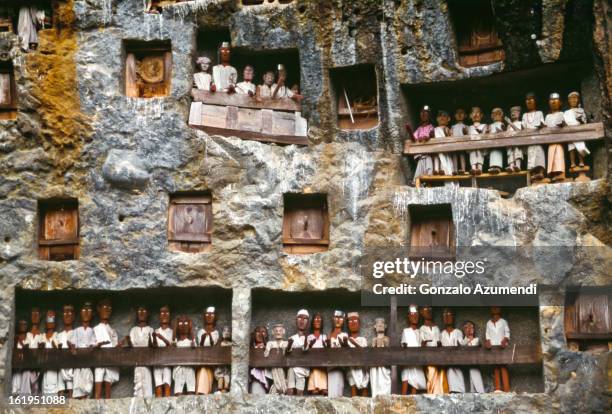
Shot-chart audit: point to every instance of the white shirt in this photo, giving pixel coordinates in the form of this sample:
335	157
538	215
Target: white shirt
496	127
319	342
431	334
266	91
49	342
207	342
139	336
335	342
496	331
532	120
166	333
202	80
554	120
64	337
243	88
183	343
457	129
224	76
574	116
83	337
439	132
104	332
453	338
476	129
411	337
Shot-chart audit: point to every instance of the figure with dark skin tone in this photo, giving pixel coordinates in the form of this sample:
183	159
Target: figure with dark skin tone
34	339
430	337
336	339
106	337
141	337
358	377
575	115
317	382
556	155
224	74
183	338
64	339
83	337
50	383
457	130
259	382
452	337
536	158
296	376
498	334
209	336
162	337
413	378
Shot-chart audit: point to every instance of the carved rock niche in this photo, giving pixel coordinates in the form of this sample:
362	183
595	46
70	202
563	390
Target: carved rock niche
432	232
58	229
477	40
305	223
8	91
190	222
148	69
355	92
588	319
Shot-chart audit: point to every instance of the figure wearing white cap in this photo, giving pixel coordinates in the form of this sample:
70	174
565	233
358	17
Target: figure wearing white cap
575	115
225	75
207	336
64	341
496	156
296	376
161	338
413	379
358	377
277	375
141	335
477	157
337	338
514	154
48	340
203	80
536	157
380	377
556	156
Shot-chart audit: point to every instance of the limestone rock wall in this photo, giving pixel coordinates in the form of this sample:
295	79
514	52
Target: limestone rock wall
77	135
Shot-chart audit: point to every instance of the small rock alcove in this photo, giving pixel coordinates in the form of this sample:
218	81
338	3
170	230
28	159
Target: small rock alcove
432	232
8	91
58	229
305	223
190	222
148	68
355	96
588	318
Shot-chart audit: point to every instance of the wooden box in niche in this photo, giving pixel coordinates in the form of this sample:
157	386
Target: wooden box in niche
190	222
8	91
58	237
305	223
148	69
587	315
356	94
432	232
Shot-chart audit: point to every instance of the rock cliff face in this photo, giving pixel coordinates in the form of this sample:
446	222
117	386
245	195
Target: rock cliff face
77	135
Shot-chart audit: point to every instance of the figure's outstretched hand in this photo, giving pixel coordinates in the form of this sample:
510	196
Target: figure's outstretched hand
488	344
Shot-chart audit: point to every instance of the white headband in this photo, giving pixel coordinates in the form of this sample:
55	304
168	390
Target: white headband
303	312
210	309
353	314
413	309
339	313
554	95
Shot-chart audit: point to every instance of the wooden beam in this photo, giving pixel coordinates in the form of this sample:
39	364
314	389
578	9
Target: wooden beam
120	357
576	335
245	101
368	357
587	132
253	136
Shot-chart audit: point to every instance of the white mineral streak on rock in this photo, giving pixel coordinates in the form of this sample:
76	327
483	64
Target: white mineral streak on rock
357	175
154	25
146	110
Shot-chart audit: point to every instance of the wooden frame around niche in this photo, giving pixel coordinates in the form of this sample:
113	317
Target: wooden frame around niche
346	84
157	55
195	234
8	97
302	209
58	229
432	231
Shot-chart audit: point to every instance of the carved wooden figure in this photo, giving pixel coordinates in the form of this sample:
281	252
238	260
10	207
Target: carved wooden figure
49	340
8	90
297	376
423	133
498	334
247	87
223	374
442	163
457	130
106	337
83	337
413	379
184	376
452	336
471	339
556	155
514	154
141	335
317	382
64	341
575	115
148	70
58	237
207	336
380	377
34	339
277	375
190	223
336	339
258	379
430	337
225	75
477	157
305	223
20	383
357	377
496	157
203	79
536	158
162	337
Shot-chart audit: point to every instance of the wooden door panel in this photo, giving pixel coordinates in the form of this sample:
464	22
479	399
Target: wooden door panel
191	222
307	224
5	90
593	314
60	225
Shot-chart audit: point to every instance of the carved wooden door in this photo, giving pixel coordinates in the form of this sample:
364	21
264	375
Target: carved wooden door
593	314
59	233
190	223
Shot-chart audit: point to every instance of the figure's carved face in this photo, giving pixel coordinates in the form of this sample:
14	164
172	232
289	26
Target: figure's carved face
210	318
301	322
86	314
413	317
515	114
426	312
338	321
225	54
142	314
476	115
555	104
317	322
183	325
443	120
260	335
248	74
495	311
50	320
573	101
68	315
448	317
164	315
22	326
460	115
380	326
531	103
104	311
468	329
278	332
497	116
268	78
204	64
424	116
227	333
354	324
35	316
